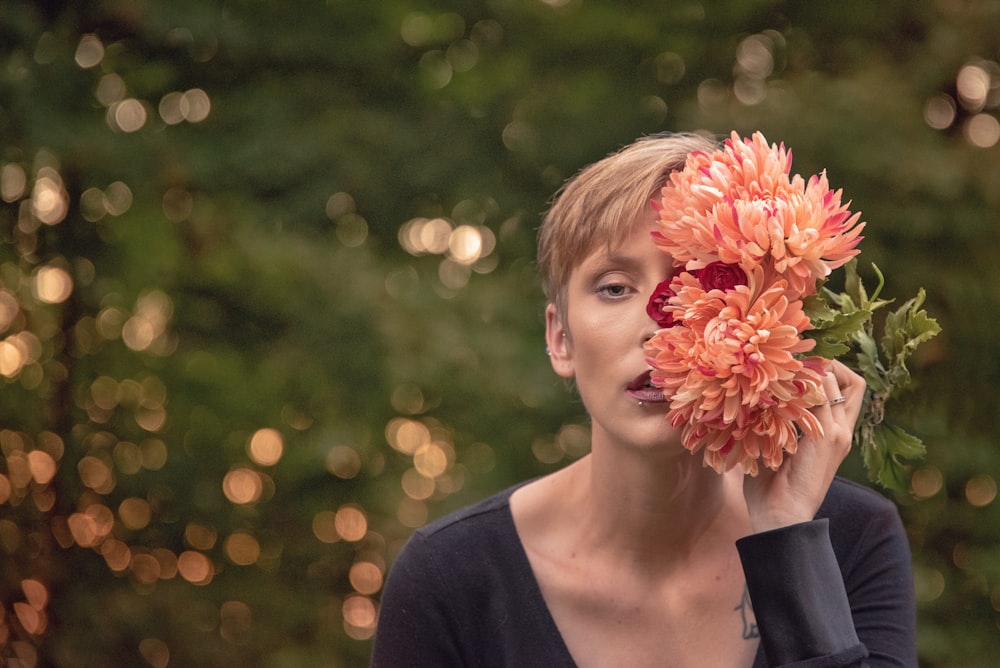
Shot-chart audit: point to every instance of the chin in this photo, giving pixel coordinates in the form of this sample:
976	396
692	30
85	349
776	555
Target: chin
664	439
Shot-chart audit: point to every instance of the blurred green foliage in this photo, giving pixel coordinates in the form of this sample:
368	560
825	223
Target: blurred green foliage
205	219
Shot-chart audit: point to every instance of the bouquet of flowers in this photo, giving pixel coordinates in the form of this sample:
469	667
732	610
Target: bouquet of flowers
746	320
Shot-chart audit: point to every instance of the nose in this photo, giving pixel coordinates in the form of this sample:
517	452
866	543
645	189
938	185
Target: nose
649	326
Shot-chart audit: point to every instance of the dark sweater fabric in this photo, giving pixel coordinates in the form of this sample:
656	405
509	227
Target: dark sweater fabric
837	591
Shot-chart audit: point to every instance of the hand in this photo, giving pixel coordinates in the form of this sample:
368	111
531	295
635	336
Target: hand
795	491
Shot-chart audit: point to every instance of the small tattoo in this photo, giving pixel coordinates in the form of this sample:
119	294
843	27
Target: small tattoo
749	620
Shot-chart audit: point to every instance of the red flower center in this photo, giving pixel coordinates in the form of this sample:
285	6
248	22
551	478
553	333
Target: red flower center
721	276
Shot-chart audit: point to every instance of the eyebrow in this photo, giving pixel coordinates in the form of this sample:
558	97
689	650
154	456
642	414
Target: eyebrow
595	266
613	260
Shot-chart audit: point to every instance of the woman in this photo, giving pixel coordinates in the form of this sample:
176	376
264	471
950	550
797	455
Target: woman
638	554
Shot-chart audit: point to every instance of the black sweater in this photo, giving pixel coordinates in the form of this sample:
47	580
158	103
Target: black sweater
837	591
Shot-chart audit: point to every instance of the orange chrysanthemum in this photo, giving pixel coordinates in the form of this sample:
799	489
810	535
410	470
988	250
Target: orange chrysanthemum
741	205
733	373
731	360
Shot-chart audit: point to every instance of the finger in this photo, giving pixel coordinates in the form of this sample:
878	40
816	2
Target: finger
831	388
832	396
850	386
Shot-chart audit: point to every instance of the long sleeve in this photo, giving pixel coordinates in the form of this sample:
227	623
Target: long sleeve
834	592
799	598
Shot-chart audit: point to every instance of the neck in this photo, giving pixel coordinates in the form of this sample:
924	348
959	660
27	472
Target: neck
657	510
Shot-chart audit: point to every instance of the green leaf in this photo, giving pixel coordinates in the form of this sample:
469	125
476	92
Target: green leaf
870	365
905	329
842	326
817	308
852	282
901	444
874	455
908	327
854	287
829	348
885	452
833	329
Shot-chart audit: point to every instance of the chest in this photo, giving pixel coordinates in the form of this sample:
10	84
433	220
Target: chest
702	617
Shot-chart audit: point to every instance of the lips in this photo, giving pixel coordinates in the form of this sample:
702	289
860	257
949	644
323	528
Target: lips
642	389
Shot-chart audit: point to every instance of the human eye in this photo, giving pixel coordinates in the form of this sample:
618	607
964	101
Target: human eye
614	290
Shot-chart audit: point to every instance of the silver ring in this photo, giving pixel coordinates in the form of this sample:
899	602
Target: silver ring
838	400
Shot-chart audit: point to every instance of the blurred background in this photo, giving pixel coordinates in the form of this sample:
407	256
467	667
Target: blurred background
268	302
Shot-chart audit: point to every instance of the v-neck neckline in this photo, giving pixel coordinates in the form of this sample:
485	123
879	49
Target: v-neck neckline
533	589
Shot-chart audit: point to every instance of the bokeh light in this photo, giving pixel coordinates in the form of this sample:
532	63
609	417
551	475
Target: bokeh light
53	285
929	583
359	617
432	459
343	461
147	328
42	465
926	482
266	446
135	513
352	230
155	652
90	527
408	398
416	485
32	620
49	199
195	567
235	621
168	562
9	309
981	490
351	523
973	86
117	198
754	64
412	513
13	182
128	115
324	526
116	554
940	111
243	486
110	89
96	473
193	106
242	548
982	130
407	435
464	246
89	52
145	568
154	454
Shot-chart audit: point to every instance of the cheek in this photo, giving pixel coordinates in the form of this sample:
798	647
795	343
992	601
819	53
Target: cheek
596	337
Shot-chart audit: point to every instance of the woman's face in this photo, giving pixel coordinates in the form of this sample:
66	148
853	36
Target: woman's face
600	344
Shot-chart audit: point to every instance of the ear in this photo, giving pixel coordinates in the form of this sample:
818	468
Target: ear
560	347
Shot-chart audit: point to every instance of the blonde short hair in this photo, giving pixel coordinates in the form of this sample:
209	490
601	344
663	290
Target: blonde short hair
603	202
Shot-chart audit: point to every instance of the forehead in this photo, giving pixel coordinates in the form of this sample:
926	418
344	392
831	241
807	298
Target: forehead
635	251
